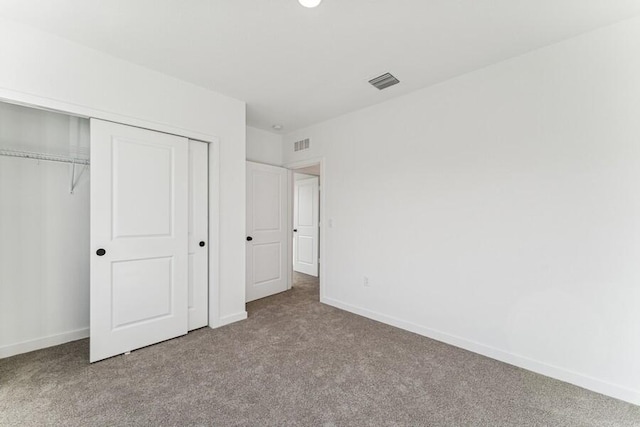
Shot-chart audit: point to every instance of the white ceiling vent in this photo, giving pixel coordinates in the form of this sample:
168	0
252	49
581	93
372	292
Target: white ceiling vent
301	145
384	81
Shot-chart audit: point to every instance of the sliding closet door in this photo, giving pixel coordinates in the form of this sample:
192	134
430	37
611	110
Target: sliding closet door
198	234
139	240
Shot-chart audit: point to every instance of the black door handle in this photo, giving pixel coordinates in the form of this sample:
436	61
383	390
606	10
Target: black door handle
295	230
100	252
202	244
249	238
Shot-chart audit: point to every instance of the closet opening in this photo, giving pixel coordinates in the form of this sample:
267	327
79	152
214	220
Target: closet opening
44	224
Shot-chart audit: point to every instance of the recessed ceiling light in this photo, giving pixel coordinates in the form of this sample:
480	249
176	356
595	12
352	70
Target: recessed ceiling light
309	3
277	127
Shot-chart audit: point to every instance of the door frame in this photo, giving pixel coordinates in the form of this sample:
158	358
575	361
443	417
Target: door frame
323	212
43	103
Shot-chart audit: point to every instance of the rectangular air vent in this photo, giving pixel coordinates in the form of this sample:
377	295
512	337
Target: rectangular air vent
301	145
384	81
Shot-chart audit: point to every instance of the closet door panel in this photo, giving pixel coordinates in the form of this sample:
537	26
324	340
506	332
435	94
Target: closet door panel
198	234
139	226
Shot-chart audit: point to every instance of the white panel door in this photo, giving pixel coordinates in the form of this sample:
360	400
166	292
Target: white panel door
198	234
306	215
139	224
266	230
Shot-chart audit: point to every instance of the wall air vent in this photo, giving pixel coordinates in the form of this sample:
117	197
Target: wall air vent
301	145
384	81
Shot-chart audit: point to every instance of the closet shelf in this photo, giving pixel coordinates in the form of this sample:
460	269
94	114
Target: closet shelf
44	156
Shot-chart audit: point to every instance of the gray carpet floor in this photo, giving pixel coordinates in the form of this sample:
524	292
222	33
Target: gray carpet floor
293	362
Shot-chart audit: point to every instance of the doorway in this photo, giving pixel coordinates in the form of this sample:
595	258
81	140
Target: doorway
270	228
306	226
306	209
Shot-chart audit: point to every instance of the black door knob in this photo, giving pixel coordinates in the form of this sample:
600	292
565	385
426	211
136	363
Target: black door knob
249	238
295	230
202	244
100	252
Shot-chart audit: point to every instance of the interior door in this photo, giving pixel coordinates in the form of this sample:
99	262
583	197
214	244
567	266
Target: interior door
306	215
266	230
139	224
198	234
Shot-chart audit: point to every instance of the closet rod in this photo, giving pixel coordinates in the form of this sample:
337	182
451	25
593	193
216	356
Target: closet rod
44	157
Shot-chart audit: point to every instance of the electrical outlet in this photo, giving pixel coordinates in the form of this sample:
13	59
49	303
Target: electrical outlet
366	282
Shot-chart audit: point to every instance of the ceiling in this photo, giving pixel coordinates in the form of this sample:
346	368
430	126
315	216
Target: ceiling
296	66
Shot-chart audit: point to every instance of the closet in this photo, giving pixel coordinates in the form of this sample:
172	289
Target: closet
105	232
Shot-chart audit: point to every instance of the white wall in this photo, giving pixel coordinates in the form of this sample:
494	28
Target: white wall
498	211
264	147
44	249
42	69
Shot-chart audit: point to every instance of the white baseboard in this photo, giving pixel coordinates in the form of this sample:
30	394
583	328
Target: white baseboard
44	342
575	378
232	318
65	337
